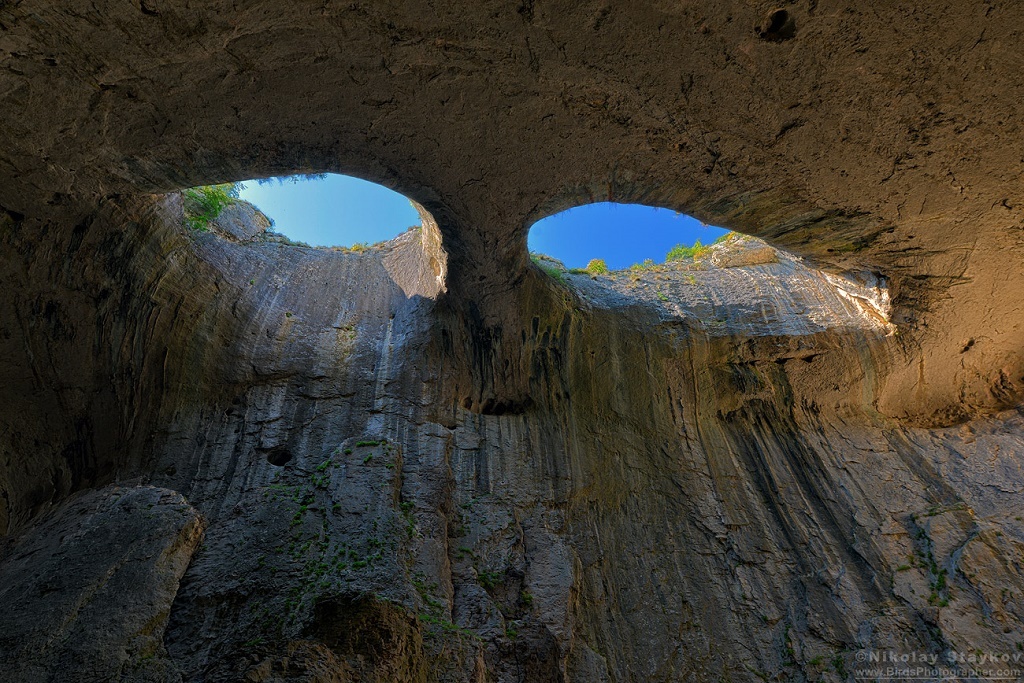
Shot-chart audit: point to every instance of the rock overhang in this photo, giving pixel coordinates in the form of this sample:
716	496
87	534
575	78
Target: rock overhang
866	159
625	460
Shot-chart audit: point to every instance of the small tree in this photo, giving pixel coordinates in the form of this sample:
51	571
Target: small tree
597	266
203	204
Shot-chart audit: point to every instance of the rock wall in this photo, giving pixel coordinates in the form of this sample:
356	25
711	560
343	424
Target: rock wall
225	457
700	487
876	138
87	592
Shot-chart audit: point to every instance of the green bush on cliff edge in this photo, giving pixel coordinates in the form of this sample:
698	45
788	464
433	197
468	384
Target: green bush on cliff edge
203	204
681	252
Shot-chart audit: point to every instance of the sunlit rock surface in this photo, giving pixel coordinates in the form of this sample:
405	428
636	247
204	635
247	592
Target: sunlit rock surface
744	287
434	461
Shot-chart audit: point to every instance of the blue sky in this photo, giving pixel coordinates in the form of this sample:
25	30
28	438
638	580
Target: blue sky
334	211
621	234
341	211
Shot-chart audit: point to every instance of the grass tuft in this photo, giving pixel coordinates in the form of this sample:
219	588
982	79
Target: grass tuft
548	265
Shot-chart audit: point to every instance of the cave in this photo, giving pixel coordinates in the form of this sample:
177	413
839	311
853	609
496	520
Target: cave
225	457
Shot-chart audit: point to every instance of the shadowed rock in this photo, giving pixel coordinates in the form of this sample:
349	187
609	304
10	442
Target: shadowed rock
434	460
88	590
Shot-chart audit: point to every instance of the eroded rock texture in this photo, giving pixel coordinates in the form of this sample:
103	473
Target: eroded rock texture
434	462
88	590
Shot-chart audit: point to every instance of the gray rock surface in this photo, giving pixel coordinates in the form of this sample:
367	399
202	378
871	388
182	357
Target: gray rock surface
432	460
241	221
683	498
740	253
88	590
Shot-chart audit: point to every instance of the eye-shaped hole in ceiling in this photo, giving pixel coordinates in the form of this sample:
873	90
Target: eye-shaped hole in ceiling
328	209
325	213
318	210
729	282
616	236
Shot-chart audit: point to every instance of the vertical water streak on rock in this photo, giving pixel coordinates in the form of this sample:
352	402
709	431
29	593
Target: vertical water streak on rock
378	420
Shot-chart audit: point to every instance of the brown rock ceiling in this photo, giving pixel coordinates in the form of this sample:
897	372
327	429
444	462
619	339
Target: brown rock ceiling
890	131
679	500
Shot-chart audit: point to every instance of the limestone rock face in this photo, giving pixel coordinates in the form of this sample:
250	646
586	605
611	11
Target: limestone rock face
433	460
88	590
241	221
743	252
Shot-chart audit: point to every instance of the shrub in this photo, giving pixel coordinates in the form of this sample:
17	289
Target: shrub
204	204
646	265
554	273
681	252
597	266
489	579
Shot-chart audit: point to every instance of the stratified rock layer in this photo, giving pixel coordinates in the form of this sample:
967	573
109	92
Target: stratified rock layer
700	487
433	461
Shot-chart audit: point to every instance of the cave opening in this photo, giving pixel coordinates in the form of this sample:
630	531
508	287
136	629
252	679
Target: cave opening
326	210
608	236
